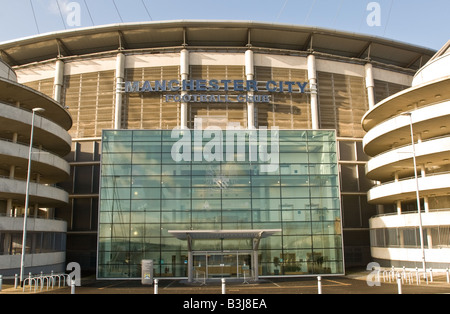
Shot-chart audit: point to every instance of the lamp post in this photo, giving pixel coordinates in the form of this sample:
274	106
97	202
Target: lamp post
27	198
422	247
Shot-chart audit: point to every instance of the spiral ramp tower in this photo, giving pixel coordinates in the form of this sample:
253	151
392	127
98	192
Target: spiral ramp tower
400	236
46	236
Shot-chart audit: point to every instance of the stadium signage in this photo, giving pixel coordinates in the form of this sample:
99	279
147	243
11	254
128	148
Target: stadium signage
211	90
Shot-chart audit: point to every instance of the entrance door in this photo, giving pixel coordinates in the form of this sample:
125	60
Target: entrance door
222	265
244	263
200	267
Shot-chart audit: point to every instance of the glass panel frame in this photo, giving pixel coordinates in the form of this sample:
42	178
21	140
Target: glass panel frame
145	193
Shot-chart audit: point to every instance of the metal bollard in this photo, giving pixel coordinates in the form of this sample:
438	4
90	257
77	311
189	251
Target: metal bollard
223	286
156	286
30	282
16	281
431	274
1	282
385	274
319	285
404	275
72	286
399	283
448	276
392	273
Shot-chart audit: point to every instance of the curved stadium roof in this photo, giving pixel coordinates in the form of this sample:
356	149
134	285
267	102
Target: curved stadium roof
215	34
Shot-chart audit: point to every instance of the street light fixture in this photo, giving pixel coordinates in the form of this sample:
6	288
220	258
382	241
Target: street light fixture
27	197
422	247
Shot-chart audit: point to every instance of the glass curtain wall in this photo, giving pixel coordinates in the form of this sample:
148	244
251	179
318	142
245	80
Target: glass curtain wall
154	181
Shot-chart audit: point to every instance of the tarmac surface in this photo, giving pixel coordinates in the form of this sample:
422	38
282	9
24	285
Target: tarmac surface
269	295
356	283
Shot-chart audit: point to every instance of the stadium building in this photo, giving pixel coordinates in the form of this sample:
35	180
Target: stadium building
155	174
407	135
24	111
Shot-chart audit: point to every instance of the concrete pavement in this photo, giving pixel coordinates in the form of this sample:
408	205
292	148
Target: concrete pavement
355	283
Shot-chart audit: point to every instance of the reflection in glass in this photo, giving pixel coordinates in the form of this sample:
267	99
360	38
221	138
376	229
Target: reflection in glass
145	193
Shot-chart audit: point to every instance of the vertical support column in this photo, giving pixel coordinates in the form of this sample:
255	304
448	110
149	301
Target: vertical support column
36	210
255	265
59	80
9	208
12	173
427	232
184	72
250	73
190	259
370	84
399	203
426	204
312	78
120	79
380	209
255	257
37	180
399	207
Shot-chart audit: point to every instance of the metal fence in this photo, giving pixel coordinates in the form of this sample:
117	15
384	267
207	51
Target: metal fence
411	275
39	282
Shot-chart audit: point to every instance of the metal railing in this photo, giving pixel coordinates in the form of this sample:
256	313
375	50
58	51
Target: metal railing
43	184
428	175
412	212
41	280
410	275
42	217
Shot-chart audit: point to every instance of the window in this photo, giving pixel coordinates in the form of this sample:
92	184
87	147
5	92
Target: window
37	242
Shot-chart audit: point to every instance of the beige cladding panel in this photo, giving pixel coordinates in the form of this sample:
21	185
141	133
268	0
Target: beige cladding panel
36	72
150	111
46	70
136	61
90	98
219	114
208	58
90	95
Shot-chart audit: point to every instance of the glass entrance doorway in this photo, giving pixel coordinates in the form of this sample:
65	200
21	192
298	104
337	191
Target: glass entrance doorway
222	265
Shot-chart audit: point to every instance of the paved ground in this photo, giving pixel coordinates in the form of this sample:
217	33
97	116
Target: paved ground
350	284
267	295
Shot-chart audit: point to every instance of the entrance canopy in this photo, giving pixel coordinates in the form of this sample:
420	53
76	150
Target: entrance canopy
223	234
254	234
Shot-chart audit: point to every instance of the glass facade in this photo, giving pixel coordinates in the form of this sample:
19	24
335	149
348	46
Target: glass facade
154	181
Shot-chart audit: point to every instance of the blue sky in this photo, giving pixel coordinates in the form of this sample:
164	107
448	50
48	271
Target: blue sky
419	22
